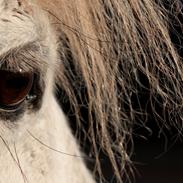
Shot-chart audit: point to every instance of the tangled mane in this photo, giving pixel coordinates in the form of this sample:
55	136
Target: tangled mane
111	50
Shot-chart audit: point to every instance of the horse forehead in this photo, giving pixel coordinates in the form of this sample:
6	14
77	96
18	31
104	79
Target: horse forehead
8	3
18	25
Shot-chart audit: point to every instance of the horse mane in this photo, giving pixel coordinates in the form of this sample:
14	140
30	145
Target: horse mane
109	49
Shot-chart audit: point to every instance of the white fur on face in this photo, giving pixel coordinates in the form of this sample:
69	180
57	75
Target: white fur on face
23	158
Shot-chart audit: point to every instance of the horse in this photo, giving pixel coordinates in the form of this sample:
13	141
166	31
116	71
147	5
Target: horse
100	54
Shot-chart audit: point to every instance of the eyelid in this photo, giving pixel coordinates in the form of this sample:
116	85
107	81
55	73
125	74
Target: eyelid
10	110
28	58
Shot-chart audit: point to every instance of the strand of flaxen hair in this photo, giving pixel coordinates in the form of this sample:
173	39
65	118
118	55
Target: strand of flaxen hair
110	45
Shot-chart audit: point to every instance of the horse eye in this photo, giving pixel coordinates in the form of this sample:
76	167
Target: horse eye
14	87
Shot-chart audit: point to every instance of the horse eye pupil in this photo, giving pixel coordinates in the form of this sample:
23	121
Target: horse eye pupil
14	87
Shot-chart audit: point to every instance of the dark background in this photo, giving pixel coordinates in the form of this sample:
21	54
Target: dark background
158	156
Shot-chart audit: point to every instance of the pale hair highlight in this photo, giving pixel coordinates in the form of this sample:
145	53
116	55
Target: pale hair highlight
111	43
